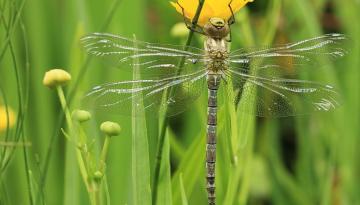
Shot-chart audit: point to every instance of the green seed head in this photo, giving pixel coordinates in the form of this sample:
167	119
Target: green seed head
81	115
110	128
56	77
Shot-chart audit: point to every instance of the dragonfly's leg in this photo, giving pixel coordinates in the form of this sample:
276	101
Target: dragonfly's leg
232	17
230	21
187	23
190	25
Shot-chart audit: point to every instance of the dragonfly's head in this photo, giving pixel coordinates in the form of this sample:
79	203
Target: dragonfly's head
216	28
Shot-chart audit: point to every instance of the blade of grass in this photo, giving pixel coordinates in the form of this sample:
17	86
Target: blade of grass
349	165
26	102
182	189
164	194
285	182
141	191
189	167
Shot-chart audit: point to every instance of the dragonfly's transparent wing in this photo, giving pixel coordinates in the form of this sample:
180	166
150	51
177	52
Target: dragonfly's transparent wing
151	58
277	79
117	97
274	95
294	55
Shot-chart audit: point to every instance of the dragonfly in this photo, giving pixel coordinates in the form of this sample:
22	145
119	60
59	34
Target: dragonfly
271	78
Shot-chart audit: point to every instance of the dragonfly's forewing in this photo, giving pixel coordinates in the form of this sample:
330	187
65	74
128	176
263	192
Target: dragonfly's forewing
278	80
155	60
309	52
117	97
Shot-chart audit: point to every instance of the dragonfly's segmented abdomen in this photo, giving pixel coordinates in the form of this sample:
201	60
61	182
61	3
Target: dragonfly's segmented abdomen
213	86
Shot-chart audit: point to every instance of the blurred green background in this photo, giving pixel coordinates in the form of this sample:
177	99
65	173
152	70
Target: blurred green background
292	161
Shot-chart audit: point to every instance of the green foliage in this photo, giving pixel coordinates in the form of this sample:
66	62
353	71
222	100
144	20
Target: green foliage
295	160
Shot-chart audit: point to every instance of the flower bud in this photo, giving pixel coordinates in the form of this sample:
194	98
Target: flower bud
56	77
81	115
179	30
110	128
98	175
7	118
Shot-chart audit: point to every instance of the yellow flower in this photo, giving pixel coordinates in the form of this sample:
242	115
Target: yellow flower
6	120
211	8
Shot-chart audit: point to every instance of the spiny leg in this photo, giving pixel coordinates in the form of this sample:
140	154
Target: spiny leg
232	17
231	21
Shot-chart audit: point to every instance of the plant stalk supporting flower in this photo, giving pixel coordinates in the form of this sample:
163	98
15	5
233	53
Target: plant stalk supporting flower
69	123
92	176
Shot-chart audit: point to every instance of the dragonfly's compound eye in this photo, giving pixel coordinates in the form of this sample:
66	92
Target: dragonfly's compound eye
216	28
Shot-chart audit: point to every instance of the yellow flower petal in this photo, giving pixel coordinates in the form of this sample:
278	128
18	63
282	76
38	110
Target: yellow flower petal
237	5
6	120
188	9
211	8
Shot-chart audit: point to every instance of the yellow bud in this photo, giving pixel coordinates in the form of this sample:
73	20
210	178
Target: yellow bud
179	30
110	128
6	119
56	77
81	115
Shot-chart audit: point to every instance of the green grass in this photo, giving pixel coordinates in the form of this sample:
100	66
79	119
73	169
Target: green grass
295	160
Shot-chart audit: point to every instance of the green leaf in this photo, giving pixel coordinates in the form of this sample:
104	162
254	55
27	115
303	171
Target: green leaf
191	167
183	194
164	190
141	191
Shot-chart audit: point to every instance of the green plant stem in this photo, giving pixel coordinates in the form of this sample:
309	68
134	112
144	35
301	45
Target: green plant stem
158	160
96	183
95	194
103	155
166	120
64	107
79	157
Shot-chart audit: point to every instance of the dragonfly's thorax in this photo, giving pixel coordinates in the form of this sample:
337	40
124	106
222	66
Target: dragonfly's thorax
216	51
